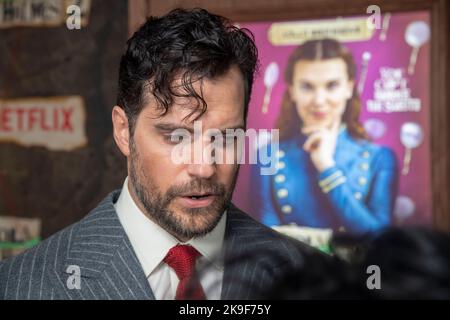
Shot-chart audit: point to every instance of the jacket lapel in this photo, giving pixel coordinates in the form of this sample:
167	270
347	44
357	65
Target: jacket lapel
109	268
245	273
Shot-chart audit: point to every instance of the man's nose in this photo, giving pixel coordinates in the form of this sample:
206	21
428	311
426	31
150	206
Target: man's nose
204	165
203	170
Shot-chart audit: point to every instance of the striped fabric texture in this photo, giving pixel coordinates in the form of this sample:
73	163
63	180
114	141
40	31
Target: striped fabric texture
93	259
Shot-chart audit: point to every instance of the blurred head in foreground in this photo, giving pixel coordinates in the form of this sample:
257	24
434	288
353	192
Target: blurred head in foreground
412	263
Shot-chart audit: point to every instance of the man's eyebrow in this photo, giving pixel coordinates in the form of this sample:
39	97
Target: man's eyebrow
169	127
241	126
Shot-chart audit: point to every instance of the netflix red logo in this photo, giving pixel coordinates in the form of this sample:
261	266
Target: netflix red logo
21	119
56	123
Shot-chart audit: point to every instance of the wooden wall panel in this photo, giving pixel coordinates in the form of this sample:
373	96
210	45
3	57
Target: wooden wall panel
57	186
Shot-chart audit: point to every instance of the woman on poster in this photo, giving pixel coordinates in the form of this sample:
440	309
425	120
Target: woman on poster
329	175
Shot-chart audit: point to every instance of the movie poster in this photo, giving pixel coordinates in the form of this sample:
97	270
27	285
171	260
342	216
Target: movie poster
351	104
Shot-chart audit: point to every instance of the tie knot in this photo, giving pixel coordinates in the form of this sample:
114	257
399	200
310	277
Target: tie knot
181	259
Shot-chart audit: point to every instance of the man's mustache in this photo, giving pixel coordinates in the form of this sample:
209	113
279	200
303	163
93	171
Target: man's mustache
196	187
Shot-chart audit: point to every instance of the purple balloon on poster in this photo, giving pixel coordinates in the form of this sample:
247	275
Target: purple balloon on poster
404	208
375	128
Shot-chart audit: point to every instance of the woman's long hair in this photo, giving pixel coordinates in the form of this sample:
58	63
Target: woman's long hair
288	121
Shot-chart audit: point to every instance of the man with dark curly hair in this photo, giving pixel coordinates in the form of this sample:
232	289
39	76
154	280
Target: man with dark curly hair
171	232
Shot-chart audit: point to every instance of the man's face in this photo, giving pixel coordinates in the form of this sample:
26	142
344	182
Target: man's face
167	191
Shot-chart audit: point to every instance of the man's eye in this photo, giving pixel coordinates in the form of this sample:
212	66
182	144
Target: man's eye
225	140
231	139
174	138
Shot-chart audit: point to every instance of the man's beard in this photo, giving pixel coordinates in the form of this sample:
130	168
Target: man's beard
192	222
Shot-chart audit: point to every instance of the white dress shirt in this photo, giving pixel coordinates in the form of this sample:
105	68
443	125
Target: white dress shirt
151	244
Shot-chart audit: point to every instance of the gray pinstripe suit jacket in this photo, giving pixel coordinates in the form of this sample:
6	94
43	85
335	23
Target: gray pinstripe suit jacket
110	270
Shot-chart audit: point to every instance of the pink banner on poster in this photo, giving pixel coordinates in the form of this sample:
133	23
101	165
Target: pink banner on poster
393	77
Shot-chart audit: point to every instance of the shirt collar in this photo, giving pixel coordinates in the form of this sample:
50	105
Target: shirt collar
151	242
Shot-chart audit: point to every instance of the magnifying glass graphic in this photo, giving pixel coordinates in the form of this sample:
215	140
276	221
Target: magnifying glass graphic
270	78
411	136
364	66
417	33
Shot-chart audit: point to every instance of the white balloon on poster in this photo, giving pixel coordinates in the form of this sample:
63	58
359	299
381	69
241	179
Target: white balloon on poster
411	136
404	208
416	35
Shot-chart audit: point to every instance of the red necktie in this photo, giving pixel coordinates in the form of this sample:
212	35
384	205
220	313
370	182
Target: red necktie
181	259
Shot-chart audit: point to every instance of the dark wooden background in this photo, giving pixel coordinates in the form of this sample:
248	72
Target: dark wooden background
61	187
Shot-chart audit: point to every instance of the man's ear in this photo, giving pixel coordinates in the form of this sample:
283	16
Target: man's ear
121	130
